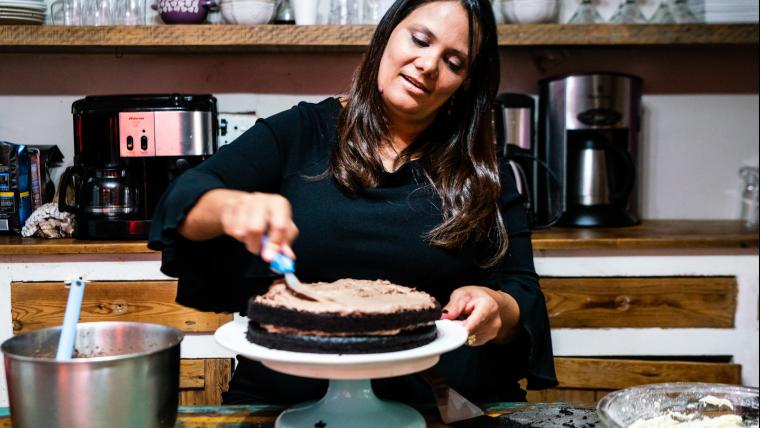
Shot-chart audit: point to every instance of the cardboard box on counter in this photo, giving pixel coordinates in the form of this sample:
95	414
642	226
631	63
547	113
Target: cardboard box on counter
25	182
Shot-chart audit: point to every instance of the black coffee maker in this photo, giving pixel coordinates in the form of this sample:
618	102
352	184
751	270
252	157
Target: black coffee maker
588	138
127	149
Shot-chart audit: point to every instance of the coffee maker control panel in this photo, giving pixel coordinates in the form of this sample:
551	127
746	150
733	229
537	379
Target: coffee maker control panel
595	101
166	133
137	134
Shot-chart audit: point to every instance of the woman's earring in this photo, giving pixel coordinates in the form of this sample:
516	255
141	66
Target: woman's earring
451	106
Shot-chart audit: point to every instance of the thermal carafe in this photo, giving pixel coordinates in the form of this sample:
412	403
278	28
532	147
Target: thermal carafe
589	184
588	141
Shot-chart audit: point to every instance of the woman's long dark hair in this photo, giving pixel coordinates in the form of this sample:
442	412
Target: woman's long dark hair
457	152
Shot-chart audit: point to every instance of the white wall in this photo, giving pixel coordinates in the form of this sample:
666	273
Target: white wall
692	146
692	149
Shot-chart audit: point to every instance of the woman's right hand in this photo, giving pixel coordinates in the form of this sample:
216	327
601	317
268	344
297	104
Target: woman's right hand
252	215
246	217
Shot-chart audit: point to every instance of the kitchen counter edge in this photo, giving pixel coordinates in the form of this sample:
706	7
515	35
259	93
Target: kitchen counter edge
650	234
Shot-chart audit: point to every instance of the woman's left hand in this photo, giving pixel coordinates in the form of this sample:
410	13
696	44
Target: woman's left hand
486	314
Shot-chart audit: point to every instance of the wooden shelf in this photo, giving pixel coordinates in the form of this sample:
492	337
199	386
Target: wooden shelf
226	38
650	234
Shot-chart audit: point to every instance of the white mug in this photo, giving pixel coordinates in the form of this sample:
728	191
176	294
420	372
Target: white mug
305	11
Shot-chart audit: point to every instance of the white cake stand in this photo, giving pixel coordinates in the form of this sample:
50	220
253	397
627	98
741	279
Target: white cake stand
349	401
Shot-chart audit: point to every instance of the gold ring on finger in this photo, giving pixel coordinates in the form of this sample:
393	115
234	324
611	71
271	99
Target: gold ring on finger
471	339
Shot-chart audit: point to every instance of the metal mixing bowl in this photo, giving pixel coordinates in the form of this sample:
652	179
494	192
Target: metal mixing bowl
125	374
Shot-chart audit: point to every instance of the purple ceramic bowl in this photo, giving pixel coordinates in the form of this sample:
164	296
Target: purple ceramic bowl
184	11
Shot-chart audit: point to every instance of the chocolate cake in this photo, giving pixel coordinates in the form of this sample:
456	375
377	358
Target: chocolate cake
348	316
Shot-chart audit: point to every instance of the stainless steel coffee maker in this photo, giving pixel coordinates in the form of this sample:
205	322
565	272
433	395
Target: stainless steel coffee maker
588	138
127	149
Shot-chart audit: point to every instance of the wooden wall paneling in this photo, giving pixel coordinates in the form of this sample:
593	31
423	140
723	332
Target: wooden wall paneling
600	393
578	397
599	373
36	305
192	373
619	302
206	390
584	381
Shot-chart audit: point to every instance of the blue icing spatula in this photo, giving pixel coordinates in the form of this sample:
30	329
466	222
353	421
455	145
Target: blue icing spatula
286	266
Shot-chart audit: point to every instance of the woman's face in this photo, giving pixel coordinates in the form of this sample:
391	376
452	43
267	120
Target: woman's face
425	61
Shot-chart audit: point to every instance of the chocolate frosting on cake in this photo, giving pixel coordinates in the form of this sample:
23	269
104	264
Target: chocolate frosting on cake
349	297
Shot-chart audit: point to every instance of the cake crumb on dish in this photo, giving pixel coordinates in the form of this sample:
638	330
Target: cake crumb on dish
715	401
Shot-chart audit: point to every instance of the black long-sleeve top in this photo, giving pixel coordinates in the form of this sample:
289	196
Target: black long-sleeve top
378	233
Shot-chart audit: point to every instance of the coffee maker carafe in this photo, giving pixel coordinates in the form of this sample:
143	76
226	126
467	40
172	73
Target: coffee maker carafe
588	138
127	149
107	191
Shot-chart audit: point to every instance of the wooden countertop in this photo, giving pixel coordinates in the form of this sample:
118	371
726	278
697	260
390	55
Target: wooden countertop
650	234
263	416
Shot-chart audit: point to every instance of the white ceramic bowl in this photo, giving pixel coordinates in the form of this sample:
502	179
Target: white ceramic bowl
530	11
247	12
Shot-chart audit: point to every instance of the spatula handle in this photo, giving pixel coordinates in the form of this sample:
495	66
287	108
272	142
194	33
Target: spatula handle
280	263
70	319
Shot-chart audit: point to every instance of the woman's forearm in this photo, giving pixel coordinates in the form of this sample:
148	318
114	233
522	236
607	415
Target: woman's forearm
203	222
509	312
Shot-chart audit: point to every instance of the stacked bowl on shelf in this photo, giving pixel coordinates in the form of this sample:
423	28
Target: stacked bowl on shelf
22	12
248	12
530	11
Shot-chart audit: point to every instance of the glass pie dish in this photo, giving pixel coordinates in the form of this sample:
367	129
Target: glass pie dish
681	400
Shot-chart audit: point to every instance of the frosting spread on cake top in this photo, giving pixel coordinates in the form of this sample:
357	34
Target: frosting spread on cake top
350	296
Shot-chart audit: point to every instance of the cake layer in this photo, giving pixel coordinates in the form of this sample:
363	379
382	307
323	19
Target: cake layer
341	344
339	323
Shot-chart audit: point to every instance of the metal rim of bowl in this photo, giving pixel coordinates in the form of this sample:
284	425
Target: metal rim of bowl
106	358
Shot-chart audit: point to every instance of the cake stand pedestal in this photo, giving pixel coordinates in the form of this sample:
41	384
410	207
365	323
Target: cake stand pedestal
349	401
350	404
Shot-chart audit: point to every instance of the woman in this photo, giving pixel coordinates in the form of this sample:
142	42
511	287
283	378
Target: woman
397	180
